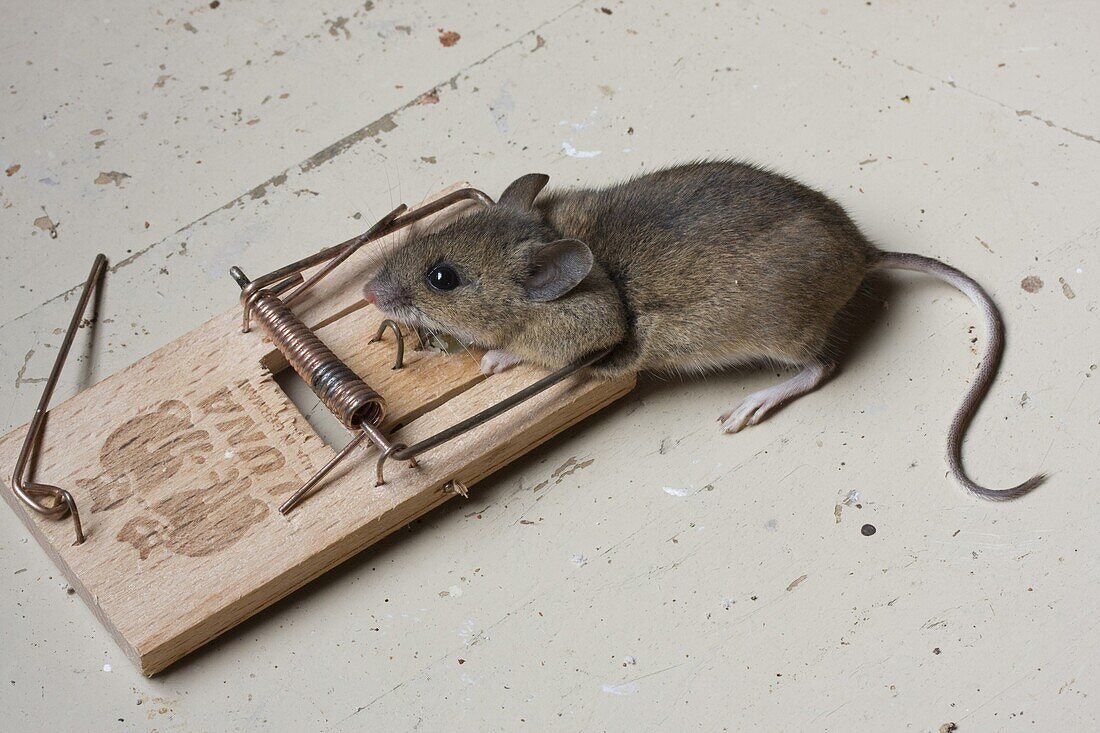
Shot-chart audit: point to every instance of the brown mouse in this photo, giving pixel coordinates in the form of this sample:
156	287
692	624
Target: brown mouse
689	269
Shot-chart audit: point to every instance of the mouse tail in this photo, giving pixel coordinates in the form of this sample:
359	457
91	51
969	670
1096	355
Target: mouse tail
986	371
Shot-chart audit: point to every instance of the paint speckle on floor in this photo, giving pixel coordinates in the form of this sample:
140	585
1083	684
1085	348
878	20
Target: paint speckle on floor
1032	283
107	177
431	97
796	582
1066	289
46	224
626	688
568	148
501	107
338	26
851	499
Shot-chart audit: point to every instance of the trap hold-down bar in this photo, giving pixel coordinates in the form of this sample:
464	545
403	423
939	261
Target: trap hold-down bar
28	491
339	388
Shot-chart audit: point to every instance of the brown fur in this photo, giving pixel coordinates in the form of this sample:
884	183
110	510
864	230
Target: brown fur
697	267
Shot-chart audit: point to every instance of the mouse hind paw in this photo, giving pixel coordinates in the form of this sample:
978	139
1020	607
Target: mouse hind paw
760	404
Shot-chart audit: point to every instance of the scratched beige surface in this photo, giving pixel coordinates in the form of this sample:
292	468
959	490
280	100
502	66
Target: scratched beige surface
641	571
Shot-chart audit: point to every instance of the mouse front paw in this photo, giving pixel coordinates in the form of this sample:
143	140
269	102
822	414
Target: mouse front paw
495	362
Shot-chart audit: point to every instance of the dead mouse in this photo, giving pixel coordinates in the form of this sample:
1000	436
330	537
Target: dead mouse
688	269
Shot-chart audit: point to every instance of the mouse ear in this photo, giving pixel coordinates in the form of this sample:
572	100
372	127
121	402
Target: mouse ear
557	268
521	192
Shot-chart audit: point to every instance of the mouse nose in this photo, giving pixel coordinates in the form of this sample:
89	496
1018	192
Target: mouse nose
372	290
385	294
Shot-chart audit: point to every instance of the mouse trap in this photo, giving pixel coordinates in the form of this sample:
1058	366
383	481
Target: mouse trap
187	492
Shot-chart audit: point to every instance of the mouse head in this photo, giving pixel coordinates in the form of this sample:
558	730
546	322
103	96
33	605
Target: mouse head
484	276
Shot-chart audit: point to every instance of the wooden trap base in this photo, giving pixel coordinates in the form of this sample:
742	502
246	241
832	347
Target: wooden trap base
179	462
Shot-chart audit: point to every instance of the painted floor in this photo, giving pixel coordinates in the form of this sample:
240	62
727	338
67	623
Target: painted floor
641	571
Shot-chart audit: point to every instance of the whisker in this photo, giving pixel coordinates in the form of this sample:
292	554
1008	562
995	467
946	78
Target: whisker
398	171
465	348
447	404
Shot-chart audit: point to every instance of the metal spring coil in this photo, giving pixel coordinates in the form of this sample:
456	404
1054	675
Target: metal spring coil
341	390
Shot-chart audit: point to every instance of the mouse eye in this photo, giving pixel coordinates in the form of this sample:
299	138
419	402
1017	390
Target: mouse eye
443	278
